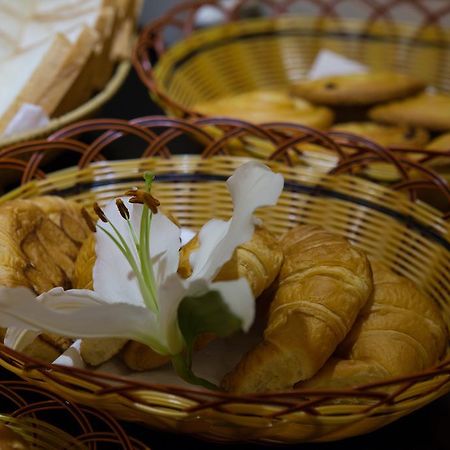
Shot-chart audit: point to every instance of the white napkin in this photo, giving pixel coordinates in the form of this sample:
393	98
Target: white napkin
328	63
27	118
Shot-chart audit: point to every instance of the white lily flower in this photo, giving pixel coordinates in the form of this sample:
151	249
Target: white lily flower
137	291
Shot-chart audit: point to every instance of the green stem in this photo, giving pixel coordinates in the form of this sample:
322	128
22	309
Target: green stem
145	258
183	369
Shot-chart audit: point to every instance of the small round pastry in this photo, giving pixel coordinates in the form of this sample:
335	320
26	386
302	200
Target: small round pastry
357	89
268	106
440	143
431	111
387	135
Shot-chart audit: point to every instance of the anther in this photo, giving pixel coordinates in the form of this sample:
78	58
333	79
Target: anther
88	219
143	197
122	209
100	213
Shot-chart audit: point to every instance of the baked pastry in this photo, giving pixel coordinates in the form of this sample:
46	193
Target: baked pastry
323	284
431	111
258	260
400	331
357	89
440	143
268	106
386	135
39	243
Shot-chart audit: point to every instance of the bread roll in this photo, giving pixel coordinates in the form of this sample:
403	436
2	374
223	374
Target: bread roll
324	282
39	243
400	331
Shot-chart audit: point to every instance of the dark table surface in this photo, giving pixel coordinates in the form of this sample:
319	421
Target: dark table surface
426	429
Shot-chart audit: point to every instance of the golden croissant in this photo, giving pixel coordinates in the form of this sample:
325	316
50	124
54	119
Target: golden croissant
400	331
323	284
258	260
39	242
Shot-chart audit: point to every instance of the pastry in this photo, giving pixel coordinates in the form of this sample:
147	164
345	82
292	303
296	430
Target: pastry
258	260
268	106
386	135
357	89
399	332
440	143
431	111
39	243
323	284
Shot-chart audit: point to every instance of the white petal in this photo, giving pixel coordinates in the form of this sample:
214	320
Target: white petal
171	292
165	239
251	186
18	339
114	280
72	315
239	298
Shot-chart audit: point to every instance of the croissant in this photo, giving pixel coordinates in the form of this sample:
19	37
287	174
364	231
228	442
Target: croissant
399	331
323	284
259	260
39	242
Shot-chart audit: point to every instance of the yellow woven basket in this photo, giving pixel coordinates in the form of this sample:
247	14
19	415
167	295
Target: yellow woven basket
408	235
274	51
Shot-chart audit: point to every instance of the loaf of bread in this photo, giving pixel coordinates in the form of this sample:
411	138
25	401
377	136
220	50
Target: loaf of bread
323	284
399	332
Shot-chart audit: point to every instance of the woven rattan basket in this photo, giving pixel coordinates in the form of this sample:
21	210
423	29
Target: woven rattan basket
409	235
273	51
48	422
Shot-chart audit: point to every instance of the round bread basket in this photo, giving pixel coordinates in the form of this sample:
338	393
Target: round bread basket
36	415
277	49
409	235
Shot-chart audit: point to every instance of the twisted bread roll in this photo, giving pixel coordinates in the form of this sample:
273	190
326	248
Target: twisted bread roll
324	282
39	242
258	260
399	332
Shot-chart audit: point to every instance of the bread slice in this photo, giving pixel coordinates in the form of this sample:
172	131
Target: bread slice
69	70
41	76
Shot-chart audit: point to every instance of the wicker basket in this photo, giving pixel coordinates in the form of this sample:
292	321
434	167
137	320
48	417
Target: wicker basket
48	422
410	236
273	51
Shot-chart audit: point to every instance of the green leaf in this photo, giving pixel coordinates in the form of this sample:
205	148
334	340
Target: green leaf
206	313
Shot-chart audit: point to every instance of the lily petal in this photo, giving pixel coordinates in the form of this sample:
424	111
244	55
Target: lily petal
171	292
164	238
114	280
78	315
238	296
251	186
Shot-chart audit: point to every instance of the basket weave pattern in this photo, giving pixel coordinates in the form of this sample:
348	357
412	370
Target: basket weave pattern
407	234
243	55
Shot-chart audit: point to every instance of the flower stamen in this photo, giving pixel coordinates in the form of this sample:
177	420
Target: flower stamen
123	210
100	214
144	198
88	219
